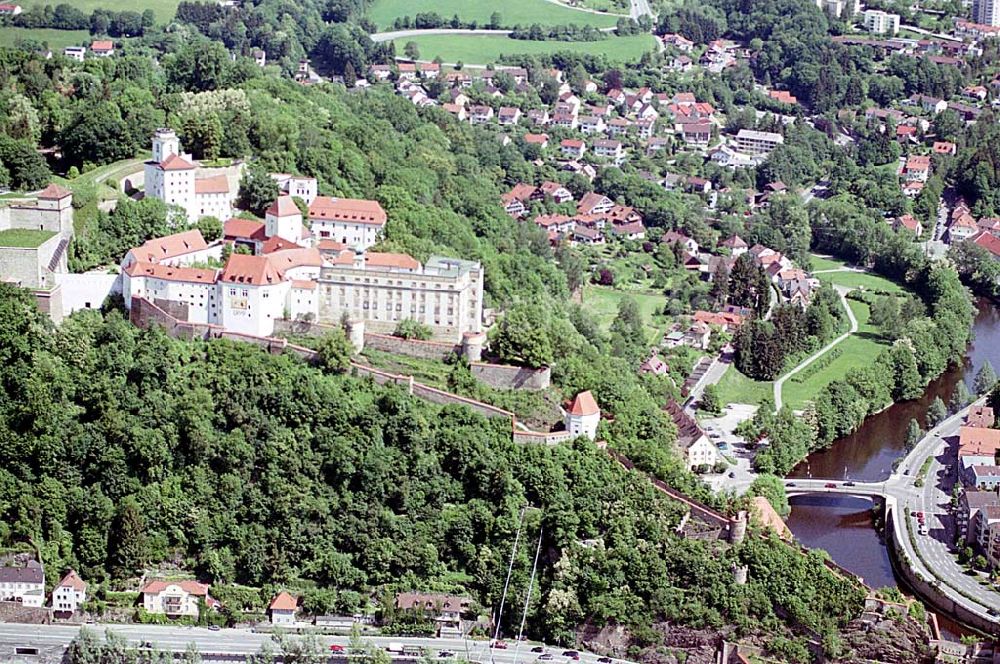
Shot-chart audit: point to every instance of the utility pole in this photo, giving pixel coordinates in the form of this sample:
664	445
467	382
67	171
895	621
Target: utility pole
527	598
506	585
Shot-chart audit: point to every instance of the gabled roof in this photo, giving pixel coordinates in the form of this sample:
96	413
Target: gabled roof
584	404
54	192
243	229
190	587
102	45
347	209
283	602
391	260
286	259
250	270
217	184
175	163
169	273
72	580
170	246
283	206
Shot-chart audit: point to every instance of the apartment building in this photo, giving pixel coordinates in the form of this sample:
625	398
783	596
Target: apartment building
757	142
879	22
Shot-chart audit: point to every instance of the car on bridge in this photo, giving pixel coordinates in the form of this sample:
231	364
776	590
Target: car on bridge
830	485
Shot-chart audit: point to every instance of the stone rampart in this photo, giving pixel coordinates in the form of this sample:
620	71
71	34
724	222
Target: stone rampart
507	377
427	350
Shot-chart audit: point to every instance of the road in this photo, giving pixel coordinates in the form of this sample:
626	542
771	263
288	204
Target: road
245	641
936	560
400	34
812	358
641	8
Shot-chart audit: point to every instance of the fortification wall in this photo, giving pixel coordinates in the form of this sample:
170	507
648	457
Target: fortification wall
427	350
506	377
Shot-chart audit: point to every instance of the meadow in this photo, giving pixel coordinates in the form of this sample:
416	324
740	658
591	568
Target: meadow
485	49
164	9
602	303
55	39
512	12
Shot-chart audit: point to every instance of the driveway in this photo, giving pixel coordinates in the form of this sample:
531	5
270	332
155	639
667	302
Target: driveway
722	429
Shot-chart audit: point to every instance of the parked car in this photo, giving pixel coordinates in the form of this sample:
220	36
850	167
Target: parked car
830	485
849	484
214	628
445	654
545	657
499	645
572	654
538	649
336	647
604	660
791	484
732	473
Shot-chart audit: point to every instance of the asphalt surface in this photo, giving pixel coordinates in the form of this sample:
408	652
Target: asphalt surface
245	641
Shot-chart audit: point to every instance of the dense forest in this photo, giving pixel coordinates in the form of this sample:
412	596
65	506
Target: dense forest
125	448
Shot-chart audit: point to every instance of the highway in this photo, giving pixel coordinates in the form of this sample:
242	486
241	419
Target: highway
237	642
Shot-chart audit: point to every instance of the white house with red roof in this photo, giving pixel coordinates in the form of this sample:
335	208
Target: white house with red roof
284	219
175	599
102	48
7	9
178	249
252	294
583	415
172	177
354	222
572	148
69	594
282	609
302	186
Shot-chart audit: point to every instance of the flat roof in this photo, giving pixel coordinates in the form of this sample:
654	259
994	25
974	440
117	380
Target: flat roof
24	238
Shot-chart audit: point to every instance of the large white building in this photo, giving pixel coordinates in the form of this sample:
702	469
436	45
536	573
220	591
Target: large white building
175	598
382	289
356	223
70	593
172	177
880	22
757	142
986	12
23	584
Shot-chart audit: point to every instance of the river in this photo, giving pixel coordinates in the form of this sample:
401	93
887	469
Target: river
843	525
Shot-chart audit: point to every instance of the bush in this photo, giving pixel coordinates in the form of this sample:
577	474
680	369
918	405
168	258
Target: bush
411	329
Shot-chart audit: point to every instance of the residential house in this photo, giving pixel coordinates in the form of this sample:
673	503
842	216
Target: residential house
175	598
8	9
429	70
557	192
70	594
673	237
783	96
517	201
572	148
944	147
634	230
681	64
697	133
736	245
541	140
654	365
698	450
564	119
610	150
616	96
929	104
618	127
354	222
457	110
407	71
680	42
282	609
909	223
583	415
990	242
591	124
971	502
445	610
912	188
102	48
697	185
75	53
23	584
538	116
509	116
585	235
480	114
656	144
918	167
962	227
593	203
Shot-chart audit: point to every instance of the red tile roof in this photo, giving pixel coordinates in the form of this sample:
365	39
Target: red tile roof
170	246
72	580
243	229
251	270
217	184
168	273
286	259
54	192
283	602
190	587
102	45
989	242
398	261
175	163
283	206
584	404
347	209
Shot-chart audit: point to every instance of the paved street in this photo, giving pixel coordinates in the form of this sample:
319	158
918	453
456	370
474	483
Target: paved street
641	8
243	641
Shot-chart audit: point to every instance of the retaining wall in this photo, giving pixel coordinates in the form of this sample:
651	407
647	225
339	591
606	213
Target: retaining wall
427	350
506	377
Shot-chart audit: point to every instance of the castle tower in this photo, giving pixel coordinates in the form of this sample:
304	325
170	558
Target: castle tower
165	143
583	416
283	219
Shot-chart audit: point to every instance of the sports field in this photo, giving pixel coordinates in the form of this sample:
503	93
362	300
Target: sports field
512	12
484	49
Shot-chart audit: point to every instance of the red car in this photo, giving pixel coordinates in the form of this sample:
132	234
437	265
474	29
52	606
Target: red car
336	648
499	645
830	485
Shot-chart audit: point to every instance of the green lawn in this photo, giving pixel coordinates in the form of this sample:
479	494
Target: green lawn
164	9
602	302
824	263
512	12
23	238
857	350
865	280
55	39
484	49
734	387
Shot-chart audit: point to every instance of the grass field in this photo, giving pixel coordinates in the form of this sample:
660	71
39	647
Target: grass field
868	281
484	49
858	350
824	263
512	12
734	387
23	238
602	302
164	9
56	39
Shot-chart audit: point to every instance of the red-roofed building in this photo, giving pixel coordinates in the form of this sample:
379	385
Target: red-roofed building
541	140
783	96
354	222
989	242
69	594
282	609
104	48
572	148
583	415
909	223
181	248
175	599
